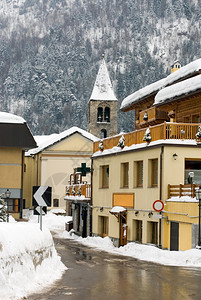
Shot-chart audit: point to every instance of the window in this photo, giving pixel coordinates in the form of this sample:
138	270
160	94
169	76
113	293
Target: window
196	119
100	114
139	174
104	176
154	172
187	119
103	133
56	202
195	167
124	174
107	114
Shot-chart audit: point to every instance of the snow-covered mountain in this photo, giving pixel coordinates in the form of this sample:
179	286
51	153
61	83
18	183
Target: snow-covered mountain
50	52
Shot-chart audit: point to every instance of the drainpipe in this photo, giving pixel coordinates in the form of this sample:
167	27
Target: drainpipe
91	210
160	190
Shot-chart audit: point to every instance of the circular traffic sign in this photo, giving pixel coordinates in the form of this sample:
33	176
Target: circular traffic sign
158	205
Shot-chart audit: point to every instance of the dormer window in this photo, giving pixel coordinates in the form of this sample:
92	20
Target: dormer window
100	114
107	114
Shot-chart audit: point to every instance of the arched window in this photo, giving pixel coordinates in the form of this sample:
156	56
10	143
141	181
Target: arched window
100	114
103	133
107	114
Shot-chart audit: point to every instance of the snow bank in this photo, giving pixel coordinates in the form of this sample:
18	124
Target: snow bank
52	221
188	258
10	118
28	260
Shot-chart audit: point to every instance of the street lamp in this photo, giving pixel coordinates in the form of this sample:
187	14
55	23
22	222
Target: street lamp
198	197
7	193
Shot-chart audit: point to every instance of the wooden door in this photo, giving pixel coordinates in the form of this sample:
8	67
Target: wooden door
123	229
174	236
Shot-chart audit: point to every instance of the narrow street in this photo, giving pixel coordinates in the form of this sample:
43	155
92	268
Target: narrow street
98	275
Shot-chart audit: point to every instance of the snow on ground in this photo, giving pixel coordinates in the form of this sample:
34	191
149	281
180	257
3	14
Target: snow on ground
52	221
27	255
188	258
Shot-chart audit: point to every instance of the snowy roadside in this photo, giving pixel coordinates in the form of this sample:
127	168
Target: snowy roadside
28	259
188	258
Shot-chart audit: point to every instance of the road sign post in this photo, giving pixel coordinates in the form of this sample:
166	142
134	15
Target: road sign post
41	199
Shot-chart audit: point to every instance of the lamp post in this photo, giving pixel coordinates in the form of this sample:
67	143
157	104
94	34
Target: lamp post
198	197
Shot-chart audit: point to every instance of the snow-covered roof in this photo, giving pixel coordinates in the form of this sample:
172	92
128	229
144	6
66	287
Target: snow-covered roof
45	141
115	150
10	118
185	87
117	209
184	72
142	93
102	89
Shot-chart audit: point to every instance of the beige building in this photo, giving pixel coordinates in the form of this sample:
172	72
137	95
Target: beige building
54	160
102	107
153	166
15	138
126	183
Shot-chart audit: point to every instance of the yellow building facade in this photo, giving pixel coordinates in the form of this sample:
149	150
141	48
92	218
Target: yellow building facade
52	163
133	178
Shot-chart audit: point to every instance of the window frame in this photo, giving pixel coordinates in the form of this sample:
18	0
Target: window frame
104	171
153	169
124	178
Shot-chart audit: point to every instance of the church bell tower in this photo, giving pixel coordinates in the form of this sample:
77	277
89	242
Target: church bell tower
102	106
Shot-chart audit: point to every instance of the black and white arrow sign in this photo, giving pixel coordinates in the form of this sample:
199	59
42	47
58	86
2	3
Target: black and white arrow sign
37	210
42	196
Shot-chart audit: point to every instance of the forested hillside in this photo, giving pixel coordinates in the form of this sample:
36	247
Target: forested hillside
50	51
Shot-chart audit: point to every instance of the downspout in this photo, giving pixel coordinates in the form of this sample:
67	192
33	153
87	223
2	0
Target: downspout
91	196
160	190
22	185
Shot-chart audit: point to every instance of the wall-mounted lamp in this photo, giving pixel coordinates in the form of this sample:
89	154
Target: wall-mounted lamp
101	209
136	213
175	156
150	214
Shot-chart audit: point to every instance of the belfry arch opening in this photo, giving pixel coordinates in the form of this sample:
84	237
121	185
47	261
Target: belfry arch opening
107	114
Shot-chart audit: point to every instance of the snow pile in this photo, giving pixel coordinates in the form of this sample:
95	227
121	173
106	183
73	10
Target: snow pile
182	199
10	118
142	93
28	260
52	221
182	88
188	258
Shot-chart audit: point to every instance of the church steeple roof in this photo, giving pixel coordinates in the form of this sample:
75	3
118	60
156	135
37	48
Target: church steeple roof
102	89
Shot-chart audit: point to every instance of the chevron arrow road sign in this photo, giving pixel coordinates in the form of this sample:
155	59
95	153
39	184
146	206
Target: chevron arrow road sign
37	210
42	196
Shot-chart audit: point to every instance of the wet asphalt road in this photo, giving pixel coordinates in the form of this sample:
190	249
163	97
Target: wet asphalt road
98	275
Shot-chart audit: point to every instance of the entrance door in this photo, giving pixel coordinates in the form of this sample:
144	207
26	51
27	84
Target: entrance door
123	229
84	218
138	231
104	226
174	236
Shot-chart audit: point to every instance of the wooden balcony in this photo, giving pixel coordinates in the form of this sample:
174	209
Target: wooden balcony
182	190
163	131
151	116
78	190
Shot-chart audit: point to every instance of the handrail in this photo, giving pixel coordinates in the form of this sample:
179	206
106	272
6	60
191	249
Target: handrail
163	131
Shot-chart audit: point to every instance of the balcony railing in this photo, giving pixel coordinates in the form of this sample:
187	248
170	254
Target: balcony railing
79	190
163	131
182	190
153	116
